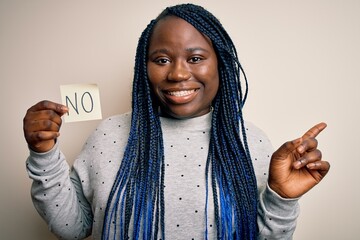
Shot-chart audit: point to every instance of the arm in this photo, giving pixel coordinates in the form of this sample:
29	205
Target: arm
295	168
276	215
57	194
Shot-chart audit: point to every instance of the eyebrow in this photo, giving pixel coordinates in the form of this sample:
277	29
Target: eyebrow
191	49
196	49
161	50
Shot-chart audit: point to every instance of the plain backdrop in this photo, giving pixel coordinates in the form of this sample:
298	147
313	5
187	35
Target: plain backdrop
302	59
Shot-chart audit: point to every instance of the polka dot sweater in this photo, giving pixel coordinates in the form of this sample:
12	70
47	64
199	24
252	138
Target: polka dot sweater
72	200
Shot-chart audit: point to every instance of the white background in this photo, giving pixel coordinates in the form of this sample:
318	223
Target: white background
302	59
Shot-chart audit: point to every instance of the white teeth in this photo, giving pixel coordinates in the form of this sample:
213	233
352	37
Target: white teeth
181	93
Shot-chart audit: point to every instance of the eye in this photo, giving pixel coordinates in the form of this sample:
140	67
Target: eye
161	61
195	59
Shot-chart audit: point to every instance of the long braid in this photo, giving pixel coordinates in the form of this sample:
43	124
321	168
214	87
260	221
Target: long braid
231	167
136	199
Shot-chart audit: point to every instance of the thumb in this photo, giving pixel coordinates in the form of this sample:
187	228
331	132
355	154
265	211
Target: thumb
61	109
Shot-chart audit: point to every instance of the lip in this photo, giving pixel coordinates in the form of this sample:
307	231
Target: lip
180	96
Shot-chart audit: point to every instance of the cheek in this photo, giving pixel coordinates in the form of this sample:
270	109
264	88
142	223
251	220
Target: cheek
155	75
210	72
151	74
213	76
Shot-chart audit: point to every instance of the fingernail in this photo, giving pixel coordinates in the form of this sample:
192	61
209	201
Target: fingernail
300	149
297	164
64	108
311	165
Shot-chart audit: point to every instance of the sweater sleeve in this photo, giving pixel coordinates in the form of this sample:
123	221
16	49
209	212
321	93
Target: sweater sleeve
57	195
276	215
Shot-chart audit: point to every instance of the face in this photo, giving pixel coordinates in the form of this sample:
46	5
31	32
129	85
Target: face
182	68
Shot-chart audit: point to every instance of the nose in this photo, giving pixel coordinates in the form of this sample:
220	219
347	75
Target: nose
179	72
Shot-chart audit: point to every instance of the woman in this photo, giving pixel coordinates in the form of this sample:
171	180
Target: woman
184	165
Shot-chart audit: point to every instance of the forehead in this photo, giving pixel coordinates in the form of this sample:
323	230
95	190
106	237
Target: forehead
175	29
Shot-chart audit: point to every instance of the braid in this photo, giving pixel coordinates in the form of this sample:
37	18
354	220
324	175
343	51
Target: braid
232	175
136	199
137	196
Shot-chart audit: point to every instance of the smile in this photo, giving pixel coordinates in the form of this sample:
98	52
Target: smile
181	93
180	96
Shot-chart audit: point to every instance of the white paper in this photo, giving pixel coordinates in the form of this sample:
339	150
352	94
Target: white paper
83	101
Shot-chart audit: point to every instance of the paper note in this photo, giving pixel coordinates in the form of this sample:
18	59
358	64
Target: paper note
83	101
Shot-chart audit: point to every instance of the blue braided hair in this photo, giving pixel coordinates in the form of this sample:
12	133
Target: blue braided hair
135	207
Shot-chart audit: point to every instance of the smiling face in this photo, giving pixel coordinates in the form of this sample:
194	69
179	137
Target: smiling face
182	68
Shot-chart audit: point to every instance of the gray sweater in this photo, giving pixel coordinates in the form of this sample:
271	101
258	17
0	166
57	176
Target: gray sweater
73	201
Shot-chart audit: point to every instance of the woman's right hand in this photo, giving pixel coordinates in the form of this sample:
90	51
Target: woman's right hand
42	123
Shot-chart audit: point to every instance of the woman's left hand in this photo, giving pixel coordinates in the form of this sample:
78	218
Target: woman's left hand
296	166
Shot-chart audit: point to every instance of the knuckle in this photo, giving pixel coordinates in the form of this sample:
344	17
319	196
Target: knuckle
47	124
289	145
319	154
25	122
28	115
52	115
38	136
31	138
27	136
44	103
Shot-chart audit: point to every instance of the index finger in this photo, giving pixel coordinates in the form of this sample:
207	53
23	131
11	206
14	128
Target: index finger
315	130
48	105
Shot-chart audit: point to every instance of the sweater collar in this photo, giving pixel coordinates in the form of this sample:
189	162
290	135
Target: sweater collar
202	123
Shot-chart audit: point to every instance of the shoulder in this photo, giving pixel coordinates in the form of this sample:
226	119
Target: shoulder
255	134
112	127
115	122
109	137
258	141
